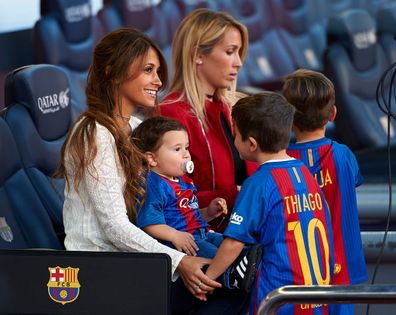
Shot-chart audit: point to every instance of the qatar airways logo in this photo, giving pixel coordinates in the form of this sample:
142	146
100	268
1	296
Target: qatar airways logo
186	203
53	102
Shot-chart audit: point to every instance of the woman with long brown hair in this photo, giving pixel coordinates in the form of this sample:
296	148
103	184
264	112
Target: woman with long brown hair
103	170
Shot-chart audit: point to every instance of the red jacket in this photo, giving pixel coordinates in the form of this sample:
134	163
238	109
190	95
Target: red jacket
214	173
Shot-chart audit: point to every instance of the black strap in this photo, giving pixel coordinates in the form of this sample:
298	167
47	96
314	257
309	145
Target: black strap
239	165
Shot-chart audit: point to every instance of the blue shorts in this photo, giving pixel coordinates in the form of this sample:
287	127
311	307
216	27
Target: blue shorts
208	242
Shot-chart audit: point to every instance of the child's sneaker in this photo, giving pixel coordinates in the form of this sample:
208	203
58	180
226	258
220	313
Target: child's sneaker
245	267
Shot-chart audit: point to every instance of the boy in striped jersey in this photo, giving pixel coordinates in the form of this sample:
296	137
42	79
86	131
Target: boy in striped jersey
171	212
334	167
280	206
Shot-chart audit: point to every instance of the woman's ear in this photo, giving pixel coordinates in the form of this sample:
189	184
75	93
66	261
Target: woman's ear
196	55
151	160
333	113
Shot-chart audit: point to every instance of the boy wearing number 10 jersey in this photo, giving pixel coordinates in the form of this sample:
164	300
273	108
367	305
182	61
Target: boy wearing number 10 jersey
280	206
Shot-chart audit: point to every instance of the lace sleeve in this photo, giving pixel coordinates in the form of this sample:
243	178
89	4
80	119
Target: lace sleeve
104	189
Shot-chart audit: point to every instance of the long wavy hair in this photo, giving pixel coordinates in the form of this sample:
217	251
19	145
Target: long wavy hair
111	60
198	33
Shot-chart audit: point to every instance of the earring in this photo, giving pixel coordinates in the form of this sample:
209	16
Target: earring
199	62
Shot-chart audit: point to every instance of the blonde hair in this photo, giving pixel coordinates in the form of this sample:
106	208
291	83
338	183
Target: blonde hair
198	33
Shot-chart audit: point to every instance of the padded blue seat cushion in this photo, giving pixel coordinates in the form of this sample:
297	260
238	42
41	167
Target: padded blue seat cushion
24	223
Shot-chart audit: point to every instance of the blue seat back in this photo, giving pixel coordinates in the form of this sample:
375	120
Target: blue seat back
39	116
331	8
66	35
186	6
373	6
386	23
355	63
301	30
144	16
24	222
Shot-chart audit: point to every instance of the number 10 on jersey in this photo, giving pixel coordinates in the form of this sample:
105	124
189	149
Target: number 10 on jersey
313	226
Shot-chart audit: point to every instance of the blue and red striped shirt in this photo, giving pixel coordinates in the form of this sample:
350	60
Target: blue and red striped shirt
337	172
173	203
282	207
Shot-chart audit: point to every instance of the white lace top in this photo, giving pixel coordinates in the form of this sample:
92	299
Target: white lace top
95	216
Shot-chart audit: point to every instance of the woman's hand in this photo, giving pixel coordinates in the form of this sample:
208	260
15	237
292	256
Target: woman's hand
184	242
194	279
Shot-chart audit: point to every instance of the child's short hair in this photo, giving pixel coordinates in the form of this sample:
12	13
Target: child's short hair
313	95
267	117
148	135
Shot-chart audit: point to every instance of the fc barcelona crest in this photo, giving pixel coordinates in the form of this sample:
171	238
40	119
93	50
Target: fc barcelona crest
63	285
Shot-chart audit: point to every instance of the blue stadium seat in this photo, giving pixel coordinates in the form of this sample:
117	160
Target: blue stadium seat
386	24
186	6
301	30
355	62
172	14
142	15
373	6
109	17
38	104
330	8
66	35
24	222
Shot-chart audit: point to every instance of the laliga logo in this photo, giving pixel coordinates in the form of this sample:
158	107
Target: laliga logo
236	219
52	103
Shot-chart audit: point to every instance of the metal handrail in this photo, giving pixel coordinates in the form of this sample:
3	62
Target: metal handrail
323	294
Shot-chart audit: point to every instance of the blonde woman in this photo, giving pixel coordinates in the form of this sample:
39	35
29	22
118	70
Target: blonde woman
207	52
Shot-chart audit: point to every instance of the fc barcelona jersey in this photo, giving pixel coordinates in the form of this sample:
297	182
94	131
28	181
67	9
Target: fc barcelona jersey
173	203
282	207
336	170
